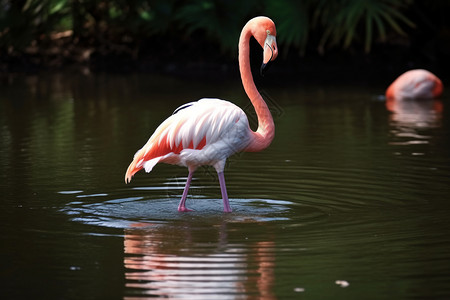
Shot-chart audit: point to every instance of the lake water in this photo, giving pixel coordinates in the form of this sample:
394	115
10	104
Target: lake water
351	200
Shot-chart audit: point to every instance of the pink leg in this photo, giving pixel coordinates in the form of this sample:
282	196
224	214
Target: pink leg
223	189
182	206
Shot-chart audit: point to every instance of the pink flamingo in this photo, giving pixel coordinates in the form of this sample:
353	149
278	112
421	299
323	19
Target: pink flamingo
208	131
415	84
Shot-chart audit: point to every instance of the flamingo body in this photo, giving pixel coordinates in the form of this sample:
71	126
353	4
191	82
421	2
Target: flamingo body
415	84
208	131
205	132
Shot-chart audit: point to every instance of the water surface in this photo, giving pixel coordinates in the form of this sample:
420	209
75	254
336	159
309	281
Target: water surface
349	202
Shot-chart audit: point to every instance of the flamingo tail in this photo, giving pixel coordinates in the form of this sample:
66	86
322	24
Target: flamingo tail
140	162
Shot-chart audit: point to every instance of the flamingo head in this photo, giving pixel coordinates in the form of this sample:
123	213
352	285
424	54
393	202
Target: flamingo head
265	33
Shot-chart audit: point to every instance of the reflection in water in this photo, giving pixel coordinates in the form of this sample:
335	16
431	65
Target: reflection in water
186	262
411	116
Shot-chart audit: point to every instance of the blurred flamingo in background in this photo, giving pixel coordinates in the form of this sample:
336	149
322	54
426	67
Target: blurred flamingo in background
208	131
415	84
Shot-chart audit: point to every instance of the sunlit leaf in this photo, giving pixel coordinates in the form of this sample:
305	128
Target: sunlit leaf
56	7
145	15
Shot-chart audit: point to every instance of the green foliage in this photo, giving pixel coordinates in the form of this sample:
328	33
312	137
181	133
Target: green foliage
293	21
222	20
347	21
21	22
319	24
338	22
138	17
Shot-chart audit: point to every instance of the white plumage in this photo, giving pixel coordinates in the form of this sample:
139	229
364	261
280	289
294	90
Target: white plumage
221	125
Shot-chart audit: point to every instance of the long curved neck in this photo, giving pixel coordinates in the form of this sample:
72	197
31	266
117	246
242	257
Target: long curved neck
265	133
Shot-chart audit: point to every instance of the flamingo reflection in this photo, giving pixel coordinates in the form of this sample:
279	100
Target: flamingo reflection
195	263
411	117
411	99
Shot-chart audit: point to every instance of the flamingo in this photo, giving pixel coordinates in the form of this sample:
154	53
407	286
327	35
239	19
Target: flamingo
415	84
208	131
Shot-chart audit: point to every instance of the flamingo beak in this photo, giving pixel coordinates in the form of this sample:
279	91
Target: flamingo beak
270	52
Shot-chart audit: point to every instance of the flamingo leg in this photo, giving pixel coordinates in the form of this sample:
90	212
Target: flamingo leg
182	206
223	189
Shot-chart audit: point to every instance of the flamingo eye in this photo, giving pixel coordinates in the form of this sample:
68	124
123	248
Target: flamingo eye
268	31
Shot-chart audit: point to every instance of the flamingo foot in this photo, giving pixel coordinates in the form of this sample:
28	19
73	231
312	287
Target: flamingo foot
184	209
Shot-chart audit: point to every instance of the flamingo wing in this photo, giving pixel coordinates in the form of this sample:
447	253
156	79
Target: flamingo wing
192	126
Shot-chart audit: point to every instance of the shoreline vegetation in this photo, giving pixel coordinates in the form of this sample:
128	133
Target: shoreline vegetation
334	40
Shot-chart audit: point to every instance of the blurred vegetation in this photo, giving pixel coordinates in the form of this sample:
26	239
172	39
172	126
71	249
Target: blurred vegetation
79	30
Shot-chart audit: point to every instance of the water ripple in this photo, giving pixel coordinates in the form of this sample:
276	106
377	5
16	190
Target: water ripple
123	211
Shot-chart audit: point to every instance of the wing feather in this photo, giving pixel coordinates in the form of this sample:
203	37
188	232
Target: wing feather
191	126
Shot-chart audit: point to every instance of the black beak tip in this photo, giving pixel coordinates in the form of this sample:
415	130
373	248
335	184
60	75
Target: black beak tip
264	68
